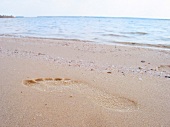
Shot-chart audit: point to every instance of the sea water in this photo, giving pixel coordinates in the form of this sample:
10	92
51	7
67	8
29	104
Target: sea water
96	29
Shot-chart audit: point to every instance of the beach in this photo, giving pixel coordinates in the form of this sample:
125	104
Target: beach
74	83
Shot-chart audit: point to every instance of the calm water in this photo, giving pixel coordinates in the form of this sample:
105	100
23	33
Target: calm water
101	30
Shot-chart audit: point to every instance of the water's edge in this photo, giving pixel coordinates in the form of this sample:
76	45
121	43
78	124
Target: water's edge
131	44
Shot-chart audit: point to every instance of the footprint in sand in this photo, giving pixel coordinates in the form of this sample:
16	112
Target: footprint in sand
97	96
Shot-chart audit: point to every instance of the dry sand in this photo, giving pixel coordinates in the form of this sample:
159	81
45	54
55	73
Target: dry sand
71	83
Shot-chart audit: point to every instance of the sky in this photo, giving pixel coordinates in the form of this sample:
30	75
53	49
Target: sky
104	8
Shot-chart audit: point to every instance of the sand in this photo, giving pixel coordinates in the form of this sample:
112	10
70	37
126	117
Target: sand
72	83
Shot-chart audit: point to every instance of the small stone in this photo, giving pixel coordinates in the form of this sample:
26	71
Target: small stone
142	61
109	72
40	54
167	76
140	68
16	51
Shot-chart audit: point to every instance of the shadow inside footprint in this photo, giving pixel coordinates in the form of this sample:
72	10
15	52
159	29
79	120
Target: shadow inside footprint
48	79
57	79
46	84
38	79
29	82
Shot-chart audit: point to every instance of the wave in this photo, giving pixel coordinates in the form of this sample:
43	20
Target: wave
144	45
114	35
137	33
38	37
7	35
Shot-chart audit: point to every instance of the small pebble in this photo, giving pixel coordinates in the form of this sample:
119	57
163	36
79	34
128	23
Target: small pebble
167	76
140	68
143	61
40	54
109	72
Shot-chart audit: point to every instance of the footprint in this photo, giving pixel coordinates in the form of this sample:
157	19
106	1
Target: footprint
29	82
97	96
49	84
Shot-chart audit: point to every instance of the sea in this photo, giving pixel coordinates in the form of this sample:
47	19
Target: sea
105	30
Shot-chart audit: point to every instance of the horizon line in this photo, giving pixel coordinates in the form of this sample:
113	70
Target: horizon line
95	17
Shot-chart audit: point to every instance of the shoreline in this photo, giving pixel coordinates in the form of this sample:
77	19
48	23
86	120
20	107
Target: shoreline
48	82
131	44
142	45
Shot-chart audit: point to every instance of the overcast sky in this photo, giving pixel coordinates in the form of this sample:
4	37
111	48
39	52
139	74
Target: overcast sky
111	8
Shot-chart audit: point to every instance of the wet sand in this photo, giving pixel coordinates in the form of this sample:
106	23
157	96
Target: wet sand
47	82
